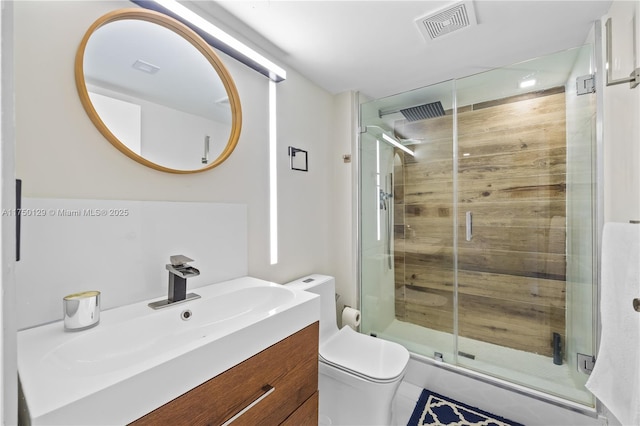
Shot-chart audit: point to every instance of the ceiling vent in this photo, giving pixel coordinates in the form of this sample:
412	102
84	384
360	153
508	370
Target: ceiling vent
143	66
446	21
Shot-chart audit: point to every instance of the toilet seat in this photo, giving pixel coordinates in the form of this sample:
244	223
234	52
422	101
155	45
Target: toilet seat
364	356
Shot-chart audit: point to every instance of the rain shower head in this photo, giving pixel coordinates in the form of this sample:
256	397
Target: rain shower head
422	112
418	112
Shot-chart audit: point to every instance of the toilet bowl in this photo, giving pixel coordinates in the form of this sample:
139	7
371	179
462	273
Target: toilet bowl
358	374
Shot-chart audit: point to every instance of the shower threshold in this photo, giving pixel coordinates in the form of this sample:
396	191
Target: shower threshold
526	369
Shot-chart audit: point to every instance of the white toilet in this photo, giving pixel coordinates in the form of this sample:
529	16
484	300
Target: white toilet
358	374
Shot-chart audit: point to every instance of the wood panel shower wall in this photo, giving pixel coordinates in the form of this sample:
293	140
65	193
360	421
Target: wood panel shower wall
511	275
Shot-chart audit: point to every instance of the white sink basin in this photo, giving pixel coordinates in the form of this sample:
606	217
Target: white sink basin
138	358
136	340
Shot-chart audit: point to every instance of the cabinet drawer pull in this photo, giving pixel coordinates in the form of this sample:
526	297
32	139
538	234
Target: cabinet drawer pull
268	389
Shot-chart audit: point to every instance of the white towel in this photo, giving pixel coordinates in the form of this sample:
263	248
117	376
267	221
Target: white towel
615	379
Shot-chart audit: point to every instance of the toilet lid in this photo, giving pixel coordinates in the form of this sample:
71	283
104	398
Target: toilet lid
365	356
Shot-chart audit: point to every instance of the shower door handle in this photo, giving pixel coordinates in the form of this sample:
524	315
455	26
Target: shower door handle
469	221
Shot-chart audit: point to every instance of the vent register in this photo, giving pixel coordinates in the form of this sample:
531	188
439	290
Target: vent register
460	15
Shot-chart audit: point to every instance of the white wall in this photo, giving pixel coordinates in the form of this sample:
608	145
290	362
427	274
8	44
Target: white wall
60	154
8	356
621	122
622	118
344	180
121	248
304	207
122	118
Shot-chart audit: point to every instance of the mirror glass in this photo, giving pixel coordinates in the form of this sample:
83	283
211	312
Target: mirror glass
158	92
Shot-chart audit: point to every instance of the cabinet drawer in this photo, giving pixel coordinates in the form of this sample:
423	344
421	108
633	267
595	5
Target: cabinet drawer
306	415
290	367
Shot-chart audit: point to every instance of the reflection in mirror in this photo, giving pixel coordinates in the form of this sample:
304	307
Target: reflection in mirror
158	92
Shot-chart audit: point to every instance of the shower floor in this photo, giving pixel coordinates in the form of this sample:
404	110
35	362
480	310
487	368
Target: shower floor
524	368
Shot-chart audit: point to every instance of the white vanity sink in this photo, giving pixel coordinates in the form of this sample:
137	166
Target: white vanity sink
138	359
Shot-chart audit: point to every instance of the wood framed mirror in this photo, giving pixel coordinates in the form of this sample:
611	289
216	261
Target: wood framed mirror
157	91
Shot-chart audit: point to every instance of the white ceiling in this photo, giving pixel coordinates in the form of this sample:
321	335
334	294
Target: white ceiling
376	48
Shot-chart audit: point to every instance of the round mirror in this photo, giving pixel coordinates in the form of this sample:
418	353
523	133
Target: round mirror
157	91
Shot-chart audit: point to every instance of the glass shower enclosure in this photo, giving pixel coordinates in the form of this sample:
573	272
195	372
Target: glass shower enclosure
478	240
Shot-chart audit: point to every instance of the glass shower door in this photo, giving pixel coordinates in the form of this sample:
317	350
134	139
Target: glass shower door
478	229
525	220
376	230
407	220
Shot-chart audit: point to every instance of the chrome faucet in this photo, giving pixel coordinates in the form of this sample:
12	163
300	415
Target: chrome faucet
179	271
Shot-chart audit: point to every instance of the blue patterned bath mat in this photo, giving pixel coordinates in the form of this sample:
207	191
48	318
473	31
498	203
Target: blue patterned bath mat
437	410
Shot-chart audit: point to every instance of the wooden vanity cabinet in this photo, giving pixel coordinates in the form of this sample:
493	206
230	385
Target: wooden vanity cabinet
282	378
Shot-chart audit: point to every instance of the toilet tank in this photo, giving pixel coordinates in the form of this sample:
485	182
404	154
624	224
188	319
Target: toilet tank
325	287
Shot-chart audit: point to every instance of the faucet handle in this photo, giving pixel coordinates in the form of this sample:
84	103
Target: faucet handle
179	267
179	260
